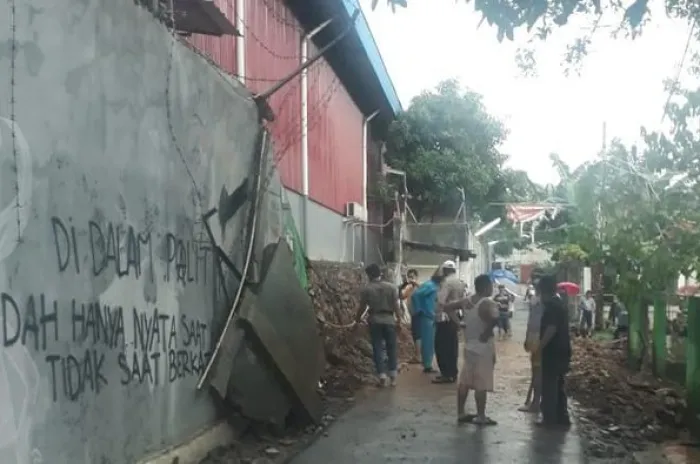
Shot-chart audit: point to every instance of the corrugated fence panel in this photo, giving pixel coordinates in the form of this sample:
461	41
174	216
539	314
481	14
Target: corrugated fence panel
222	50
335	140
273	38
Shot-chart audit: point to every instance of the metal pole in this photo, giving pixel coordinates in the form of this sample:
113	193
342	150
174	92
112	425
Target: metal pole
463	210
240	40
305	131
365	157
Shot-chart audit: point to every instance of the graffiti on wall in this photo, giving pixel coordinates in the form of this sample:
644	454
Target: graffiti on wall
20	397
132	332
149	341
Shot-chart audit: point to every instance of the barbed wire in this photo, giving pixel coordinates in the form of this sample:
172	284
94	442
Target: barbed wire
266	47
296	130
283	21
13	109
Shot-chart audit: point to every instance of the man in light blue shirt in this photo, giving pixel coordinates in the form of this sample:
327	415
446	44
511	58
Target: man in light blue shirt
424	302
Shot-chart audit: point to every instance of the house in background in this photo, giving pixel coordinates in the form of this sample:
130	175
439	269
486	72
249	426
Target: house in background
329	122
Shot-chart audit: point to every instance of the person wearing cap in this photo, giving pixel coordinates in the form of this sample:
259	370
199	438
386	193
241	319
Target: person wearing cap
447	324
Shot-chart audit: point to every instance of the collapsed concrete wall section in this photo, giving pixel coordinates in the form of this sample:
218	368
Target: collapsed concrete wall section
114	140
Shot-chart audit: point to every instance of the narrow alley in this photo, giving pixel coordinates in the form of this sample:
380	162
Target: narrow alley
416	422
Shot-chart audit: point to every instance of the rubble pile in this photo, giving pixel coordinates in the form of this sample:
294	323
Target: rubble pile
335	291
623	407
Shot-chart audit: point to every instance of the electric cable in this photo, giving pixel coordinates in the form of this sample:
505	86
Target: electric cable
679	71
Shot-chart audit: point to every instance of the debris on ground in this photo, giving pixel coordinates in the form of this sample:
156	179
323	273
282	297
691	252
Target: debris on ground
335	291
622	410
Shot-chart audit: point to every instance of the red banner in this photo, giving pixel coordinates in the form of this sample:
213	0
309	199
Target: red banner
526	213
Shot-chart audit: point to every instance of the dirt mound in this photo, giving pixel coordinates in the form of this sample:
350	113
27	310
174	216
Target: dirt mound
335	291
623	407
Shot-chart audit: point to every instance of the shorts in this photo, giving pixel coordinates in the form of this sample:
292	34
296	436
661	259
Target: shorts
477	370
415	327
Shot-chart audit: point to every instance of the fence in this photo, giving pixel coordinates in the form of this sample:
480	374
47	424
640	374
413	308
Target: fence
652	343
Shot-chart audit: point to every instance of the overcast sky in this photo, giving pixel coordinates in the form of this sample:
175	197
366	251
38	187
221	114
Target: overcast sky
621	80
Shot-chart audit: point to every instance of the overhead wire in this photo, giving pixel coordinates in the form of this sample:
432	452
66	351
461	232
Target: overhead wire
679	71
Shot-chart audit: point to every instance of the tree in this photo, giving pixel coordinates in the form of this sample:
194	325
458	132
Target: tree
542	16
634	211
446	141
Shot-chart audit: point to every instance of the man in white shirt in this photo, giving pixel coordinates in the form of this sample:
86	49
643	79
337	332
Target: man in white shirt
587	308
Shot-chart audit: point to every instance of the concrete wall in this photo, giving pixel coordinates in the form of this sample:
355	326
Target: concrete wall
532	255
331	237
107	292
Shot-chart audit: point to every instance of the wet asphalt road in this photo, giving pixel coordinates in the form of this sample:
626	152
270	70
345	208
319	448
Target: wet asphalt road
416	423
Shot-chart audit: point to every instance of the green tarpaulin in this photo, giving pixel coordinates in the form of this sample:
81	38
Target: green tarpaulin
291	234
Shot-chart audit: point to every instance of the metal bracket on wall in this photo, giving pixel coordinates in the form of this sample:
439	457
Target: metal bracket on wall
260	99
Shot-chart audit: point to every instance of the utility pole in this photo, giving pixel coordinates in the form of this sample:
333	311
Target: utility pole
597	268
462	267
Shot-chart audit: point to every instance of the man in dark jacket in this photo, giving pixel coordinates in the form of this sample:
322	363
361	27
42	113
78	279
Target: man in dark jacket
555	350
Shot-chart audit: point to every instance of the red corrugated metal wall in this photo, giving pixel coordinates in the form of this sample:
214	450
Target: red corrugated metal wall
273	43
273	38
222	50
335	140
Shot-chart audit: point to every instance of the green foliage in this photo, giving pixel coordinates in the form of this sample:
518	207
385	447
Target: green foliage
630	209
539	19
569	252
446	141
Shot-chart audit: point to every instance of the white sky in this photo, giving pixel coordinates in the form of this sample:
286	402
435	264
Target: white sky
621	81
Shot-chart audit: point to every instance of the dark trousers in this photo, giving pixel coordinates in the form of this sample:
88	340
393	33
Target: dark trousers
447	348
554	403
586	320
383	337
504	321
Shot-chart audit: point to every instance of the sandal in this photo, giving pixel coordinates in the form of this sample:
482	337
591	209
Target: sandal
466	419
485	421
529	408
441	380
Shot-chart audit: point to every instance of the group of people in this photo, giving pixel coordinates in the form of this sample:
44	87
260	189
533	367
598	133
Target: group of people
441	307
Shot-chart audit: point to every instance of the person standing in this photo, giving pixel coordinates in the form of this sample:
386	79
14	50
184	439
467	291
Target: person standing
503	299
481	316
447	324
555	352
587	309
405	292
615	309
531	345
381	299
423	302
